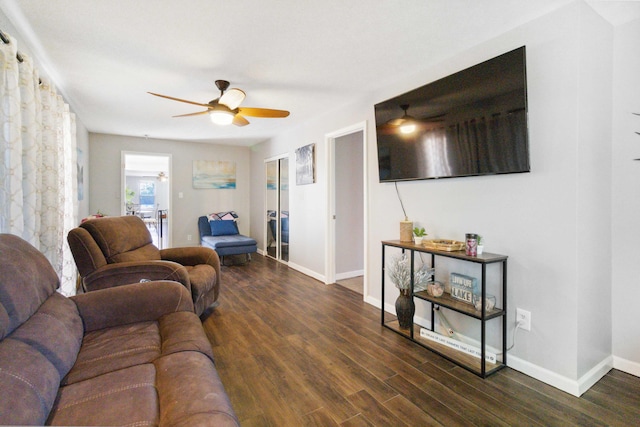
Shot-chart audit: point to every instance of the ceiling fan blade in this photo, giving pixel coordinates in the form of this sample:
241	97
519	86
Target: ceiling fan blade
238	120
192	114
178	99
396	122
263	112
232	98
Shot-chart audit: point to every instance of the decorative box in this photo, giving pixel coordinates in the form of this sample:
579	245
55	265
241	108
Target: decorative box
464	288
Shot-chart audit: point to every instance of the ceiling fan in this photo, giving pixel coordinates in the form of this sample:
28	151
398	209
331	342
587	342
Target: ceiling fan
225	109
408	124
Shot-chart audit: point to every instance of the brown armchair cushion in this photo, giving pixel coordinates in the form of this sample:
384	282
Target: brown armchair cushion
122	239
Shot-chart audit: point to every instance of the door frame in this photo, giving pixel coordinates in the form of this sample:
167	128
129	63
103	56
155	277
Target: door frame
330	238
123	180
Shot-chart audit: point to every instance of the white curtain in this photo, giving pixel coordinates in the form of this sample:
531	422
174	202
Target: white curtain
38	176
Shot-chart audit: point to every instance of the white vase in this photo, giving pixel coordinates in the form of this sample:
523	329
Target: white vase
417	240
479	249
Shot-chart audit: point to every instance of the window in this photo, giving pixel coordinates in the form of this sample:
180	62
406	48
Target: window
147	195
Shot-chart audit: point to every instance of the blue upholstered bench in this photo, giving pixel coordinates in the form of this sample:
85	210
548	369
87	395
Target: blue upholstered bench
222	235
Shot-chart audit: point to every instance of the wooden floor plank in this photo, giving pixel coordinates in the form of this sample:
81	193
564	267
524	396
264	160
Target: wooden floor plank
409	413
375	413
427	403
496	407
603	414
292	351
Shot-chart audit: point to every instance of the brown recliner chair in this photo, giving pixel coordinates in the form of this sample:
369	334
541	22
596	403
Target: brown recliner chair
113	251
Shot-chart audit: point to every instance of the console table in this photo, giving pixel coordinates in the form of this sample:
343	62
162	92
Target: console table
477	365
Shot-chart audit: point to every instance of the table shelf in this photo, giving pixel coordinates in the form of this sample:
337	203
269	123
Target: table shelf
478	365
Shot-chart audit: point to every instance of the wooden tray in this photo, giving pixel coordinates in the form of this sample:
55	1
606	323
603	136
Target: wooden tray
443	245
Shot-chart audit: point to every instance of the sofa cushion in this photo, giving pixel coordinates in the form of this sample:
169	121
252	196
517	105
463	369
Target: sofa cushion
135	243
111	349
33	381
223	228
35	357
185	399
55	331
25	285
123	397
220	242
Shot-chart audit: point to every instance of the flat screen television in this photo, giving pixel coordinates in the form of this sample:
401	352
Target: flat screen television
473	122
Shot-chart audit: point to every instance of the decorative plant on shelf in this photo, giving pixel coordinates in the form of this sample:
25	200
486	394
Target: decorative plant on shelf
419	234
480	245
399	271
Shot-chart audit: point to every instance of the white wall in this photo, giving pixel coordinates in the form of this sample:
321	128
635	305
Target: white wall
546	221
106	189
626	198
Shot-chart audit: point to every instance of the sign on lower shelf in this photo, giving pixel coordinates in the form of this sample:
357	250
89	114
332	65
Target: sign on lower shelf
457	345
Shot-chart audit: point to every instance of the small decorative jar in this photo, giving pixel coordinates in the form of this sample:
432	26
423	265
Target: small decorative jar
435	288
489	305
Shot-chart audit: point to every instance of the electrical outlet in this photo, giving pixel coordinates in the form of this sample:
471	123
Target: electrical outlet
189	237
523	317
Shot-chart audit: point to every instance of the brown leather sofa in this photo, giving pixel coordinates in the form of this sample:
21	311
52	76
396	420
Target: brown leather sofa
113	251
131	355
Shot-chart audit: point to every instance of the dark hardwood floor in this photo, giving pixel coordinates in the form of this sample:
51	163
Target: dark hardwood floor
292	351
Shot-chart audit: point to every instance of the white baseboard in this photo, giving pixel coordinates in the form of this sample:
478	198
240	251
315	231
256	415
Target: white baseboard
627	366
306	271
349	274
568	385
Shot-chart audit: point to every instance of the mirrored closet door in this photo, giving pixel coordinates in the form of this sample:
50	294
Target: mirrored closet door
277	208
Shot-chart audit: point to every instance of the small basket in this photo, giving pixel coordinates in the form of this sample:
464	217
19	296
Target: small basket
444	245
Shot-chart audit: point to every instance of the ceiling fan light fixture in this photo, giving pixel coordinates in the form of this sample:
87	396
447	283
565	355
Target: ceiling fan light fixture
221	115
408	127
162	177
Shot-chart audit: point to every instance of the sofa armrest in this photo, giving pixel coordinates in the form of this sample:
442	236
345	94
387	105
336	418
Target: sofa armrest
192	255
204	229
138	302
124	273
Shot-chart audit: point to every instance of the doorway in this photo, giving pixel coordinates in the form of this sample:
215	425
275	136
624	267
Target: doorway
346	253
146	192
277	208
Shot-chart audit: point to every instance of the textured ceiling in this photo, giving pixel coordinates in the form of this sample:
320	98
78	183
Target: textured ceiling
303	56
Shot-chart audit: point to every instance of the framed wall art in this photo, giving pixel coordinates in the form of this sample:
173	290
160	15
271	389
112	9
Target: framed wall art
305	165
214	174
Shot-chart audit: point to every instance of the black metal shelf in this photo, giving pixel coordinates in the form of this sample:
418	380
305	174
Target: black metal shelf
479	366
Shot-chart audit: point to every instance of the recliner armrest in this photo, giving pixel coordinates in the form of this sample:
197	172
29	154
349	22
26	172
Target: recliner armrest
138	302
124	273
192	255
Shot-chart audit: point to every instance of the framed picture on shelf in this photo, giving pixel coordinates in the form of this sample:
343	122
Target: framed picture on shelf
463	288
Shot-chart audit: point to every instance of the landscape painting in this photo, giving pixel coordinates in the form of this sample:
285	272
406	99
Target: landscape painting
214	174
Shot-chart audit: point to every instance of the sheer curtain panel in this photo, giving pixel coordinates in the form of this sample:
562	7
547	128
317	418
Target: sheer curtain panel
38	176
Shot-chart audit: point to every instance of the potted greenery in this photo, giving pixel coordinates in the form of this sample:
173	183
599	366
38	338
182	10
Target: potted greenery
418	233
480	245
129	194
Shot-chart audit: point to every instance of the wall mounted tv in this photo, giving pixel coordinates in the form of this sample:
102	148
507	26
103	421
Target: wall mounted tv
471	123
